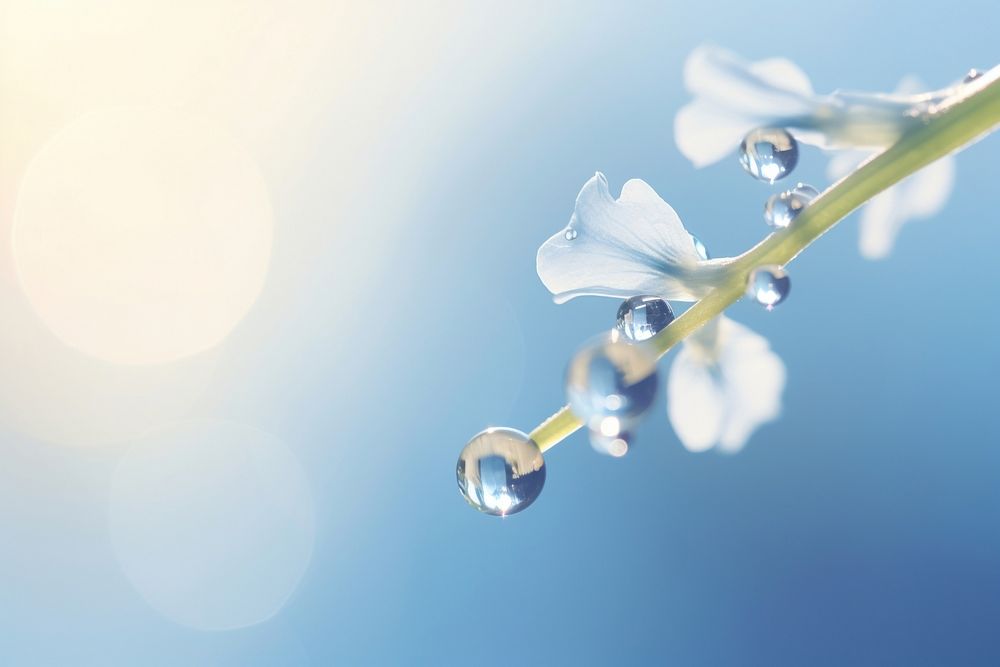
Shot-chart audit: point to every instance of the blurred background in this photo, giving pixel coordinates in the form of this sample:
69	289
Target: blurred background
266	267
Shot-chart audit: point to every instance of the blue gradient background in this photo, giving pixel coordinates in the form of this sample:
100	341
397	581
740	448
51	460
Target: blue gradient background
860	528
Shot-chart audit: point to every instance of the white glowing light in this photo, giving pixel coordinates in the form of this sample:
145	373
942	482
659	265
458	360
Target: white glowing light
213	523
618	448
610	426
141	235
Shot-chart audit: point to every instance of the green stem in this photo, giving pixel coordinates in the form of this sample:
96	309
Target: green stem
955	123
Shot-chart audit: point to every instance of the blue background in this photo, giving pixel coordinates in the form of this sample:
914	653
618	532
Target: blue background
859	528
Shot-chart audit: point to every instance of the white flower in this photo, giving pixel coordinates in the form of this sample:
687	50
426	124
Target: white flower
724	382
920	195
622	247
733	96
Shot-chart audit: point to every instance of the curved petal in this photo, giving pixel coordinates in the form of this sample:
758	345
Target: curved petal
633	245
705	133
918	196
719	395
910	85
733	96
843	162
772	88
696	403
755	379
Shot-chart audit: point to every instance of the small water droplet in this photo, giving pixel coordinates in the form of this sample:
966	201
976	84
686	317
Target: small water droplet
769	154
972	75
782	208
768	285
642	317
570	234
611	445
500	471
700	248
610	384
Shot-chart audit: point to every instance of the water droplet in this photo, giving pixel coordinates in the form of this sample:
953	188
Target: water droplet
972	75
500	471
700	248
782	208
611	445
768	154
768	285
570	234
642	317
610	384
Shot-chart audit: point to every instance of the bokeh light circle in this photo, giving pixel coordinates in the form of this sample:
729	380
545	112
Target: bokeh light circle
142	235
213	523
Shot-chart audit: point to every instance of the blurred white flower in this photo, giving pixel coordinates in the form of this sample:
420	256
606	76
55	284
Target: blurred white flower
920	195
724	383
622	247
734	96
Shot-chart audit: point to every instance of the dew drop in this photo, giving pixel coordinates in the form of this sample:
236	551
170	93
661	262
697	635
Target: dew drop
700	248
782	208
610	384
768	285
769	154
570	234
500	471
610	445
642	317
972	75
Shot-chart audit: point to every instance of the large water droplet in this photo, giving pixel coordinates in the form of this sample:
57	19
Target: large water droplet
768	285
782	208
700	248
570	234
610	384
768	154
972	75
500	471
611	445
642	317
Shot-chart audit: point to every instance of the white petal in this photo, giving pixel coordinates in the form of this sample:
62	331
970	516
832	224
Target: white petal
844	162
695	402
722	400
755	379
920	195
910	85
783	74
706	133
619	248
773	88
733	96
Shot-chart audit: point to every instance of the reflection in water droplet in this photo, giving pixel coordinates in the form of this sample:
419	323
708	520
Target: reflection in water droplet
610	445
700	248
768	285
782	208
212	522
642	317
570	234
769	154
500	471
611	380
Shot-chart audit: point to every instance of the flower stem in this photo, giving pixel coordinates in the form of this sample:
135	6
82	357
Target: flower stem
955	123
